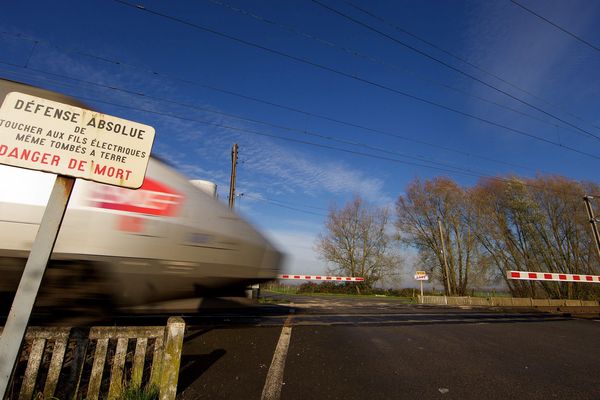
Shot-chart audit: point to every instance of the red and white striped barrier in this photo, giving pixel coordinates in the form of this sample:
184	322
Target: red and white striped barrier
322	278
549	276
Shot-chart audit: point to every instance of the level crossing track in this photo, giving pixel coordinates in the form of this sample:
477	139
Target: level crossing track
308	311
298	347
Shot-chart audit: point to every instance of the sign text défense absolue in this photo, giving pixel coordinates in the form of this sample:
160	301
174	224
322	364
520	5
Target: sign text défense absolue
41	134
70	116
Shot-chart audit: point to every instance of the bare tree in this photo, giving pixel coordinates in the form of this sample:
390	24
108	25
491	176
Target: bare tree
356	242
450	254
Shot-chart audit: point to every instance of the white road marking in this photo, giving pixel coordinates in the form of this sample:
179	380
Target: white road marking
274	381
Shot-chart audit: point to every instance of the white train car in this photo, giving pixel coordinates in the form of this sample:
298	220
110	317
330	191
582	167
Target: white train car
170	239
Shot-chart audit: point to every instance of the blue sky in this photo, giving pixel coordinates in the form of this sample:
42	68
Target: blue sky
269	75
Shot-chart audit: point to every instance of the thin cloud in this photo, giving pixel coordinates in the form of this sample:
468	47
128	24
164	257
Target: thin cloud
203	150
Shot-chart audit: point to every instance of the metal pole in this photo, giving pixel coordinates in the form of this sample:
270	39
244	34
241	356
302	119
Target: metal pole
421	290
18	318
590	211
444	255
234	155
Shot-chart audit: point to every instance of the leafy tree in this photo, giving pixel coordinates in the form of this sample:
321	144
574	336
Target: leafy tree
535	224
418	212
540	225
504	226
356	242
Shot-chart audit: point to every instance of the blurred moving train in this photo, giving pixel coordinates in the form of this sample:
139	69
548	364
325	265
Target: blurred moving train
170	239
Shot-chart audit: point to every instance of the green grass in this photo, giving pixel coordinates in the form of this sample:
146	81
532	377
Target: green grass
268	300
281	289
137	393
129	393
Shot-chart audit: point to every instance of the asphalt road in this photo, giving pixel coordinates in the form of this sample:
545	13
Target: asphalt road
297	347
331	348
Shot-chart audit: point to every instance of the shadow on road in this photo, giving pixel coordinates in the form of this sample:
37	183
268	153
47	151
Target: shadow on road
194	365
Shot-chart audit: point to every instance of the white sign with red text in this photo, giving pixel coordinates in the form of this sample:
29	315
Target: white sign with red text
44	135
421	276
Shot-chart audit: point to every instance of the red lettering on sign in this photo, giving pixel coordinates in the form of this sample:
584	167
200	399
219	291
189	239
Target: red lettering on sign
29	155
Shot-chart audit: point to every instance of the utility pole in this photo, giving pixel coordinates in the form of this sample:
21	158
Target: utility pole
234	156
444	255
592	219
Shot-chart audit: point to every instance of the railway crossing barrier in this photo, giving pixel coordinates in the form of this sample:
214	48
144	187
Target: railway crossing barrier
324	278
70	363
551	276
527	302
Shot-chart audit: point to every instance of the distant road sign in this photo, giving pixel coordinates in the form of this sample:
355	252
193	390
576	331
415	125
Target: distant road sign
421	276
44	135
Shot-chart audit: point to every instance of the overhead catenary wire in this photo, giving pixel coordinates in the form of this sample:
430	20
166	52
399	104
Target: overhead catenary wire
450	66
449	169
576	37
387	64
456	171
113	103
278	203
351	76
272	104
444	166
466	61
288	206
317	145
441	165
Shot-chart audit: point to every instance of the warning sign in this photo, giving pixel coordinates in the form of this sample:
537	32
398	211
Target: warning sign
421	276
45	135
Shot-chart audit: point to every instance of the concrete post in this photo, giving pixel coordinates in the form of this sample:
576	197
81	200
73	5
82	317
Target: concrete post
172	358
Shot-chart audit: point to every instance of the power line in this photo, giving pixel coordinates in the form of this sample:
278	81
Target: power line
393	66
457	170
447	65
444	166
318	145
289	206
579	38
467	62
440	166
434	164
261	101
354	77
